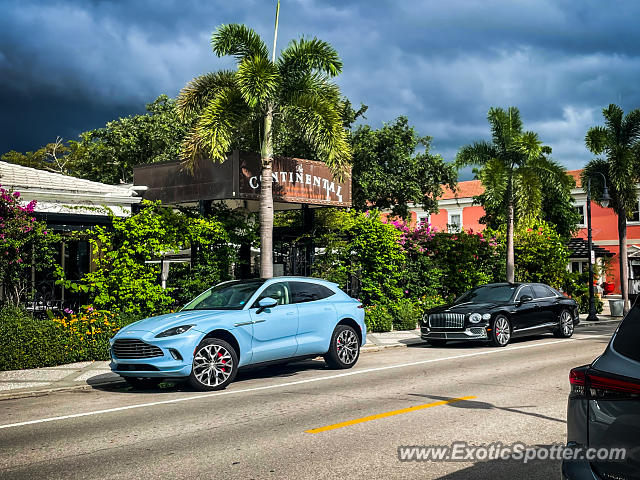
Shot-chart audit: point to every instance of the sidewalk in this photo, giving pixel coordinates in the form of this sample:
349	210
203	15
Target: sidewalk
86	375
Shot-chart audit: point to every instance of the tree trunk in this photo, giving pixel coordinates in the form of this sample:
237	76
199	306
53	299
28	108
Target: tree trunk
624	263
266	200
510	222
510	247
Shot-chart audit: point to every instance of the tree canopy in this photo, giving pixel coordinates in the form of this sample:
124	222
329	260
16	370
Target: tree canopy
389	172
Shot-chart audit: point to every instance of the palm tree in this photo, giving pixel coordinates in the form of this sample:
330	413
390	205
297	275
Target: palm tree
619	141
515	170
262	97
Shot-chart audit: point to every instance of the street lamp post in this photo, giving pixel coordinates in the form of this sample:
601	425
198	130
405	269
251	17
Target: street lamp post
604	201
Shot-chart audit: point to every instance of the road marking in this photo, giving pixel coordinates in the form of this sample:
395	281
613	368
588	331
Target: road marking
297	382
386	414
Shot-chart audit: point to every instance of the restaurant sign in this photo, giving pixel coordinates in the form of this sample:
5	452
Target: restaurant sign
239	178
296	181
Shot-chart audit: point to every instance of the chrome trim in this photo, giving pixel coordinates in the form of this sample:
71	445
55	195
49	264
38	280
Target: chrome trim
542	325
447	320
242	324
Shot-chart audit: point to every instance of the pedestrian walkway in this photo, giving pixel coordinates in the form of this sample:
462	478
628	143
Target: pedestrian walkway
38	381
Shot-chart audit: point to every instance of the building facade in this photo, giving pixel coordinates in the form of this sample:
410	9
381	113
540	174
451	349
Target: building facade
457	210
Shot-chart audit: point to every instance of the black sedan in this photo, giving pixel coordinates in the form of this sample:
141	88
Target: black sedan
499	312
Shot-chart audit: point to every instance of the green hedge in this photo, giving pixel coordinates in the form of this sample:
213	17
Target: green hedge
29	342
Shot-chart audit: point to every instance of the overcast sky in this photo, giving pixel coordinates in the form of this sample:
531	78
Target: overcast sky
69	66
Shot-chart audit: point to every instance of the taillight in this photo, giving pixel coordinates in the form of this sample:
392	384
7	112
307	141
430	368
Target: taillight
577	379
360	305
602	385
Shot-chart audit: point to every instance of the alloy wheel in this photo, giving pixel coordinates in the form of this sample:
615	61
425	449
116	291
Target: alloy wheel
347	346
566	324
502	331
212	365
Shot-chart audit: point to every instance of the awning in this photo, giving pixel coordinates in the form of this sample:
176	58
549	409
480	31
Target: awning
579	248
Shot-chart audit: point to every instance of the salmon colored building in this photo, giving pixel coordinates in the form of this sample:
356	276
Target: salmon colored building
457	211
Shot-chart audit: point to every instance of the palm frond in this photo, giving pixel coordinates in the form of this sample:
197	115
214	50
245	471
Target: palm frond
214	132
258	79
505	126
527	192
478	153
238	40
195	94
613	117
320	123
631	127
596	139
306	56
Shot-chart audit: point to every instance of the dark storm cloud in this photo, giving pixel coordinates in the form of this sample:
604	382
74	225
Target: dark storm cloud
68	66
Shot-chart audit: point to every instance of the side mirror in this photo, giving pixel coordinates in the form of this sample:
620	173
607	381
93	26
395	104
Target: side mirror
525	299
265	303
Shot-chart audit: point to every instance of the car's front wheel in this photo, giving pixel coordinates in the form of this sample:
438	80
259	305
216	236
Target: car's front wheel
565	325
501	332
344	348
215	365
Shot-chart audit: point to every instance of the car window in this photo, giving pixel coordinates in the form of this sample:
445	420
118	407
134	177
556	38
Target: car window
542	291
526	290
278	291
488	293
628	336
308	292
225	296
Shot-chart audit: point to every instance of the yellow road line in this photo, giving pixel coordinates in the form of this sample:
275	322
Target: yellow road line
386	414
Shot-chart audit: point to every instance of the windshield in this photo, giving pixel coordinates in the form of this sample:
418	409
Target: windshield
488	293
225	296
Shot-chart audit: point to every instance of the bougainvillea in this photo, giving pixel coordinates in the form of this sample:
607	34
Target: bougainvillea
24	242
444	264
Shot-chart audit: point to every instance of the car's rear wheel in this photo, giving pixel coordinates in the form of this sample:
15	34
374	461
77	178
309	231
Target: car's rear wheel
142	383
344	349
501	332
215	365
436	342
565	325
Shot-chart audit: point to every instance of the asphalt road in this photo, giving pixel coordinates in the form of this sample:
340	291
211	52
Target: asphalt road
259	427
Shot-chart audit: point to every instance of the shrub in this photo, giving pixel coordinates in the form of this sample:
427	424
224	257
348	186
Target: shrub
29	342
378	318
405	315
576	285
361	246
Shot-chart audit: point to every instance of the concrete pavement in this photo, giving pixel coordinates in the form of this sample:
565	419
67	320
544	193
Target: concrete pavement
259	426
20	383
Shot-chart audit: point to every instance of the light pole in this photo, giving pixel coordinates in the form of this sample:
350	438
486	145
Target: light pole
604	201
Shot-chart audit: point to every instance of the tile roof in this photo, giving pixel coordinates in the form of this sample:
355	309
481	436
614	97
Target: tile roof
470	188
19	178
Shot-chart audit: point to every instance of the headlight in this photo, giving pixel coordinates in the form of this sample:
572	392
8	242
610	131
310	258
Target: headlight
425	320
486	316
475	317
174	331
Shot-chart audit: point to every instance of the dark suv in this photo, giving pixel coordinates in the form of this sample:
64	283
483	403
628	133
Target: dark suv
604	408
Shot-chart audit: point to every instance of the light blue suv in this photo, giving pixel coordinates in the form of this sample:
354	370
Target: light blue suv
240	323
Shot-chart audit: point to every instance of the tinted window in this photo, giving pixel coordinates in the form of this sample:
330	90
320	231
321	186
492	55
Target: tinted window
308	292
526	290
628	336
278	291
542	291
488	293
226	296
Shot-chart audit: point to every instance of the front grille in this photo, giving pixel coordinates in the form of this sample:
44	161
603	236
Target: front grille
132	348
446	320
